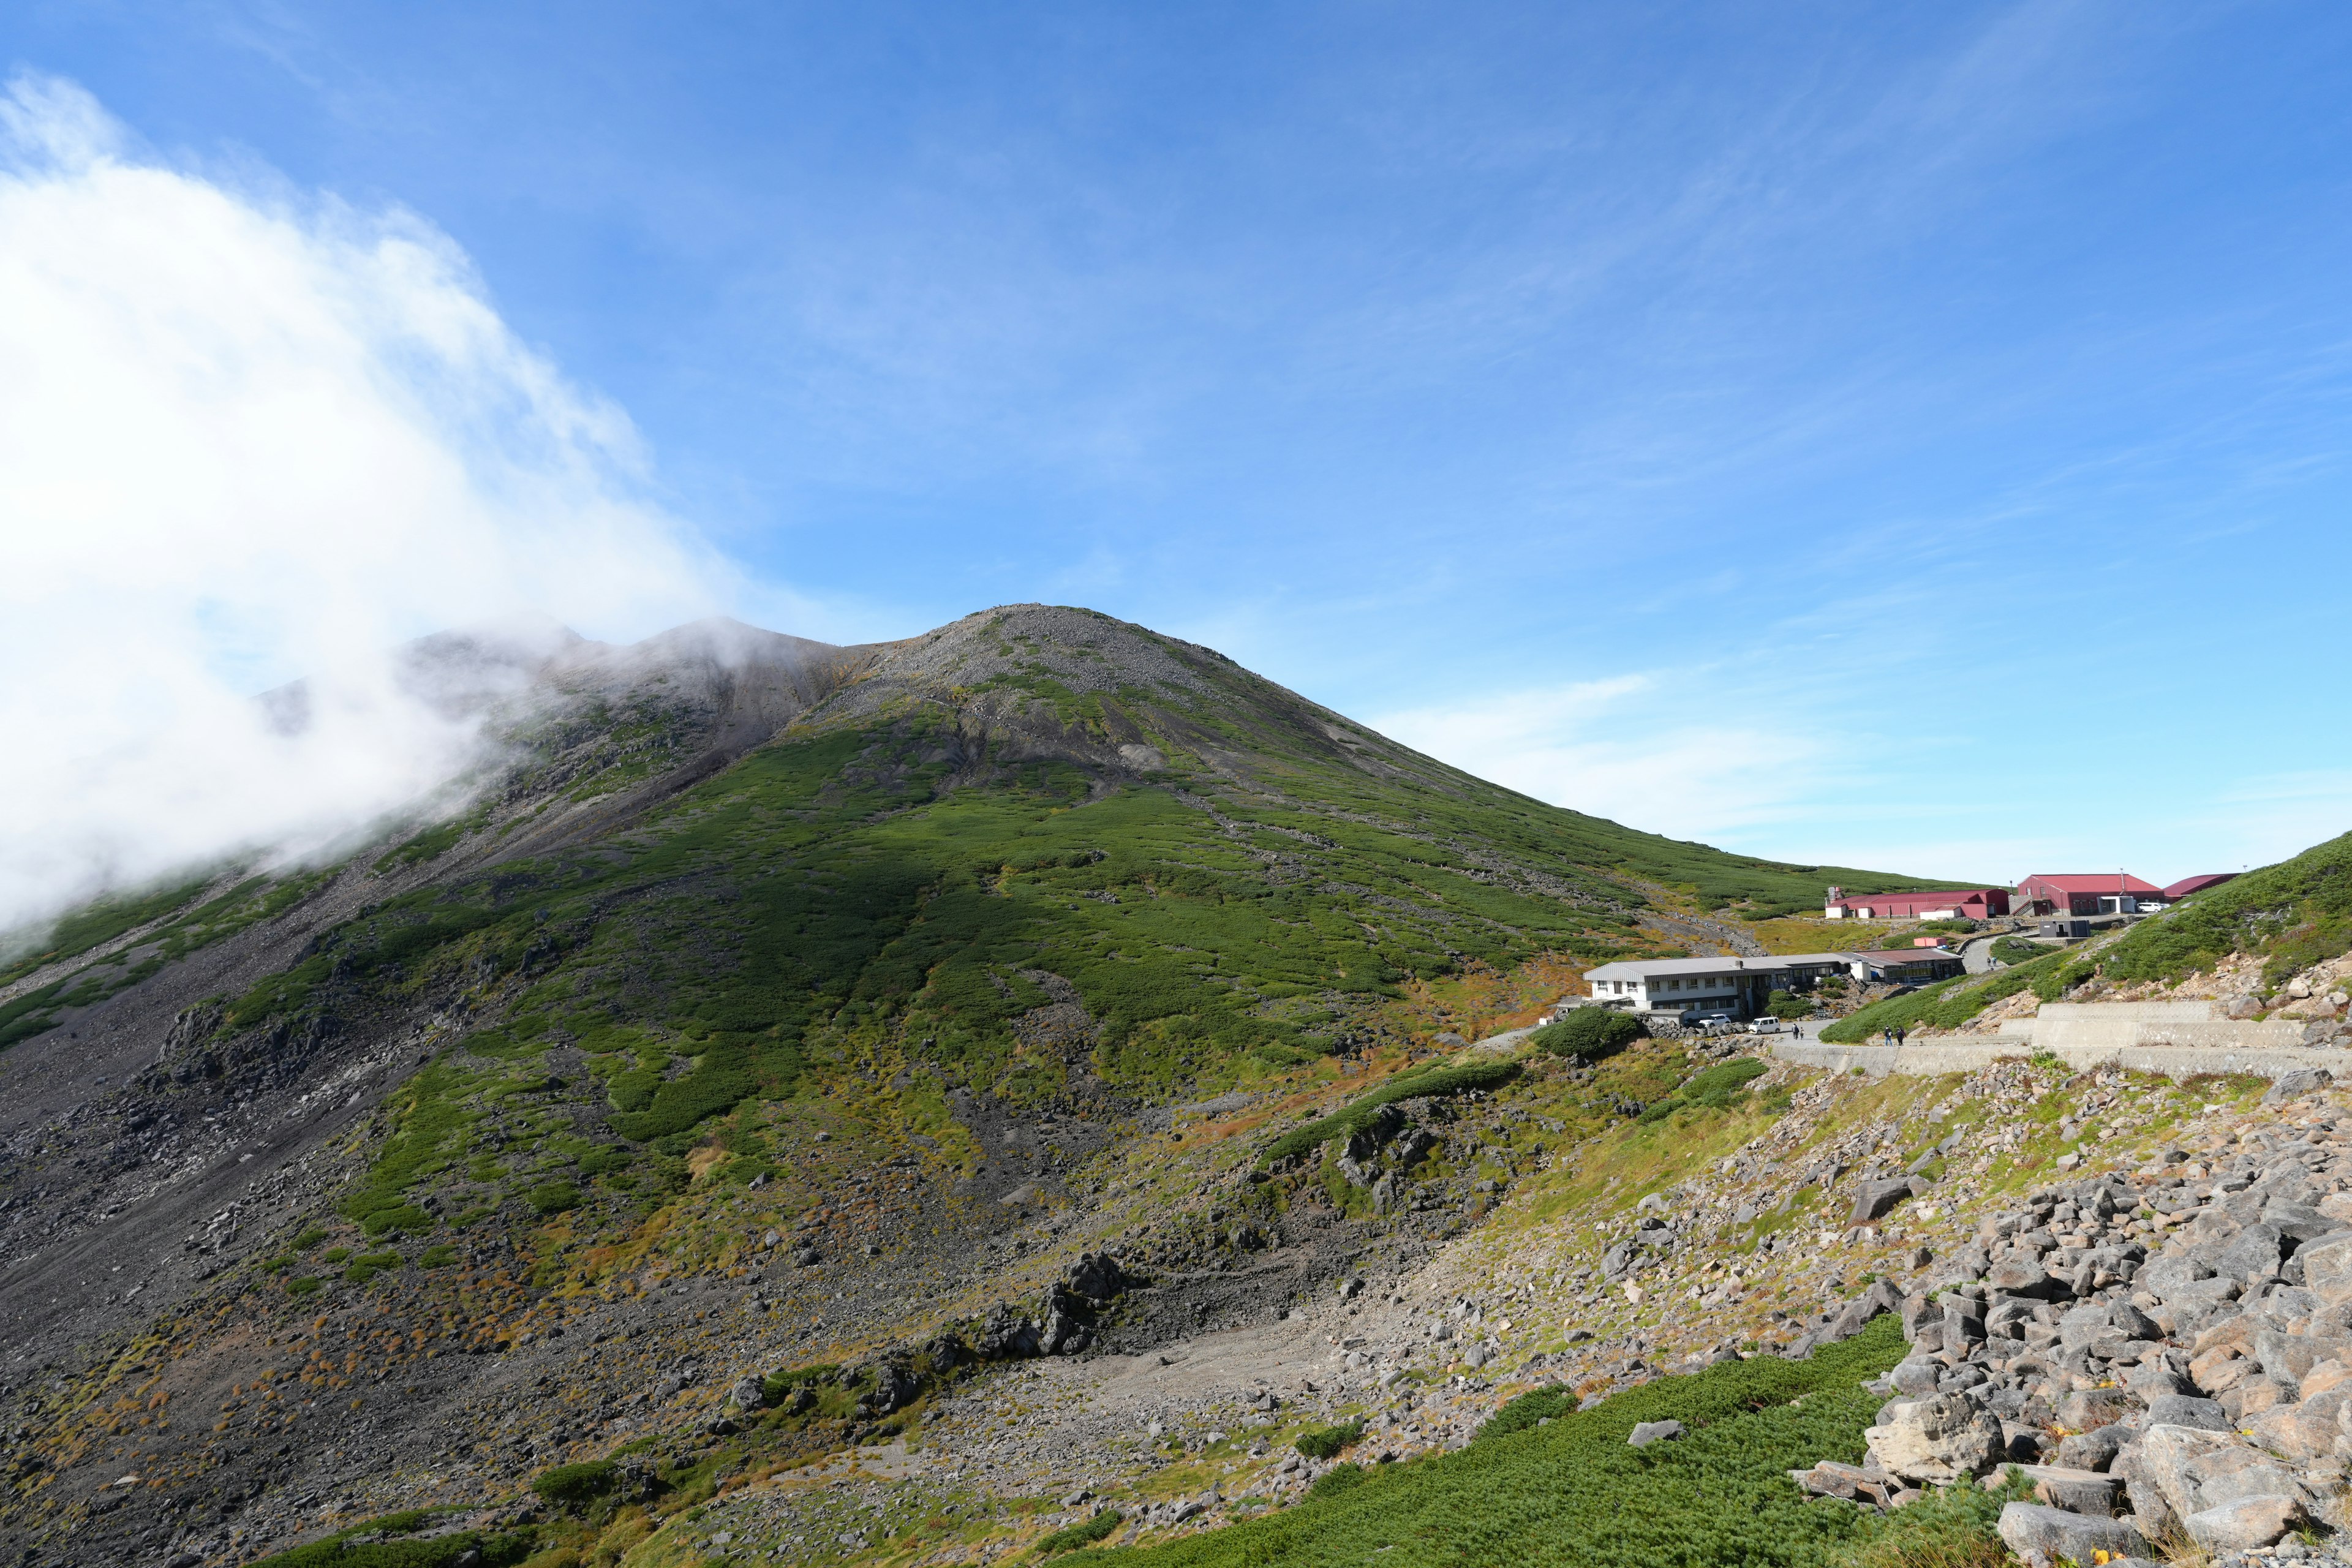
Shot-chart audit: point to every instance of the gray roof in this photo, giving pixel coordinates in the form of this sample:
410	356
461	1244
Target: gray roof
1731	963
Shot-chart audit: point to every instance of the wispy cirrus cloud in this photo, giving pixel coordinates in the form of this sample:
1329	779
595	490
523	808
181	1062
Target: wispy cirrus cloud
1657	750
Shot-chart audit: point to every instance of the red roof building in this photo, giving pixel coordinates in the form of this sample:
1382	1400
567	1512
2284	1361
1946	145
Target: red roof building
1965	903
2188	885
2082	895
1913	966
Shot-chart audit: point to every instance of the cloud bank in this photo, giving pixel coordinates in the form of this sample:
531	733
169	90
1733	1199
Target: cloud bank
249	434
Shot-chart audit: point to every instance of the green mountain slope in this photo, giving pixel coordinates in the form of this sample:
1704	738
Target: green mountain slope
752	948
1030	807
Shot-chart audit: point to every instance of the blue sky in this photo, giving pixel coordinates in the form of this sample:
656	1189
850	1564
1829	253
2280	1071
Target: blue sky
1912	437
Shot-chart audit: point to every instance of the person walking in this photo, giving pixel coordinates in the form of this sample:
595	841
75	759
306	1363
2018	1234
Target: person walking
1901	1035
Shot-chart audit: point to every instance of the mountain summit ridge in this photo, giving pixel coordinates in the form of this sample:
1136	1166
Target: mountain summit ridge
900	958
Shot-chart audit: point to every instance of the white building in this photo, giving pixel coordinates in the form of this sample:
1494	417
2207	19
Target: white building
1736	985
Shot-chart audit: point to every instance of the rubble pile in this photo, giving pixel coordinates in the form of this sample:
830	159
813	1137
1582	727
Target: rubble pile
2166	1356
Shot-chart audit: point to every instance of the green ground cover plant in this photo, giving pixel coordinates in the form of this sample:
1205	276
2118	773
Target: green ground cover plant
1337	1480
1084	1533
575	1485
1948	1004
1326	1442
2297	912
489	1551
1408	1084
2015	949
1717	1088
1588	1034
1570	1491
96	924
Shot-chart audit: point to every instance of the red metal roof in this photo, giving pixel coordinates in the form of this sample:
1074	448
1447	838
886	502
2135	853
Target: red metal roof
1962	894
2093	882
2188	885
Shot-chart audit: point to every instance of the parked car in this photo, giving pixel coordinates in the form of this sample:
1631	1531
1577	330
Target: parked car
1765	1025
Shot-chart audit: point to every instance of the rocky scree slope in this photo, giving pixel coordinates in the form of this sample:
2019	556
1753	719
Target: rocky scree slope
825	996
2007	1221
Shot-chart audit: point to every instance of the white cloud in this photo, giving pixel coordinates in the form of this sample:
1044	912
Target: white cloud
1642	750
248	434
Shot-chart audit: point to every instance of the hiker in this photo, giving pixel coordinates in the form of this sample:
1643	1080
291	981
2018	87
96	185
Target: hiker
1901	1035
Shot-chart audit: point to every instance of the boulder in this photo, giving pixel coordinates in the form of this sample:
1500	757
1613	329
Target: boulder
1005	1335
2181	1410
1852	1483
1963	1323
1937	1438
2298	1221
2194	1470
2038	1532
895	1387
1916	1377
2016	1276
2285	1357
2326	1378
2254	1250
2007	1316
749	1393
2236	1331
1877	1199
2327	1267
2162	1276
2244	1522
2149	1511
1881	1297
2298	1084
2155	1380
2079	1328
1649	1432
2301	1431
2075	1491
2088	1408
2203	1295
1098	1276
2093	1450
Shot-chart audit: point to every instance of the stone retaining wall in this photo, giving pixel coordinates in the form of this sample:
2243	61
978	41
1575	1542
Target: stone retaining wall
1950	1053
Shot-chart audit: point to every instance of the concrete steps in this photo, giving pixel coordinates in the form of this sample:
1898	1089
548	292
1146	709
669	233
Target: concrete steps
1940	1054
2177	1038
2063	1027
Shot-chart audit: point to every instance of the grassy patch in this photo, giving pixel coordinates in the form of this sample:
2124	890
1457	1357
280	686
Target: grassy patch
1084	1533
489	1551
1588	1034
1326	1442
1717	1088
1573	1492
2297	912
1410	1085
1948	1004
